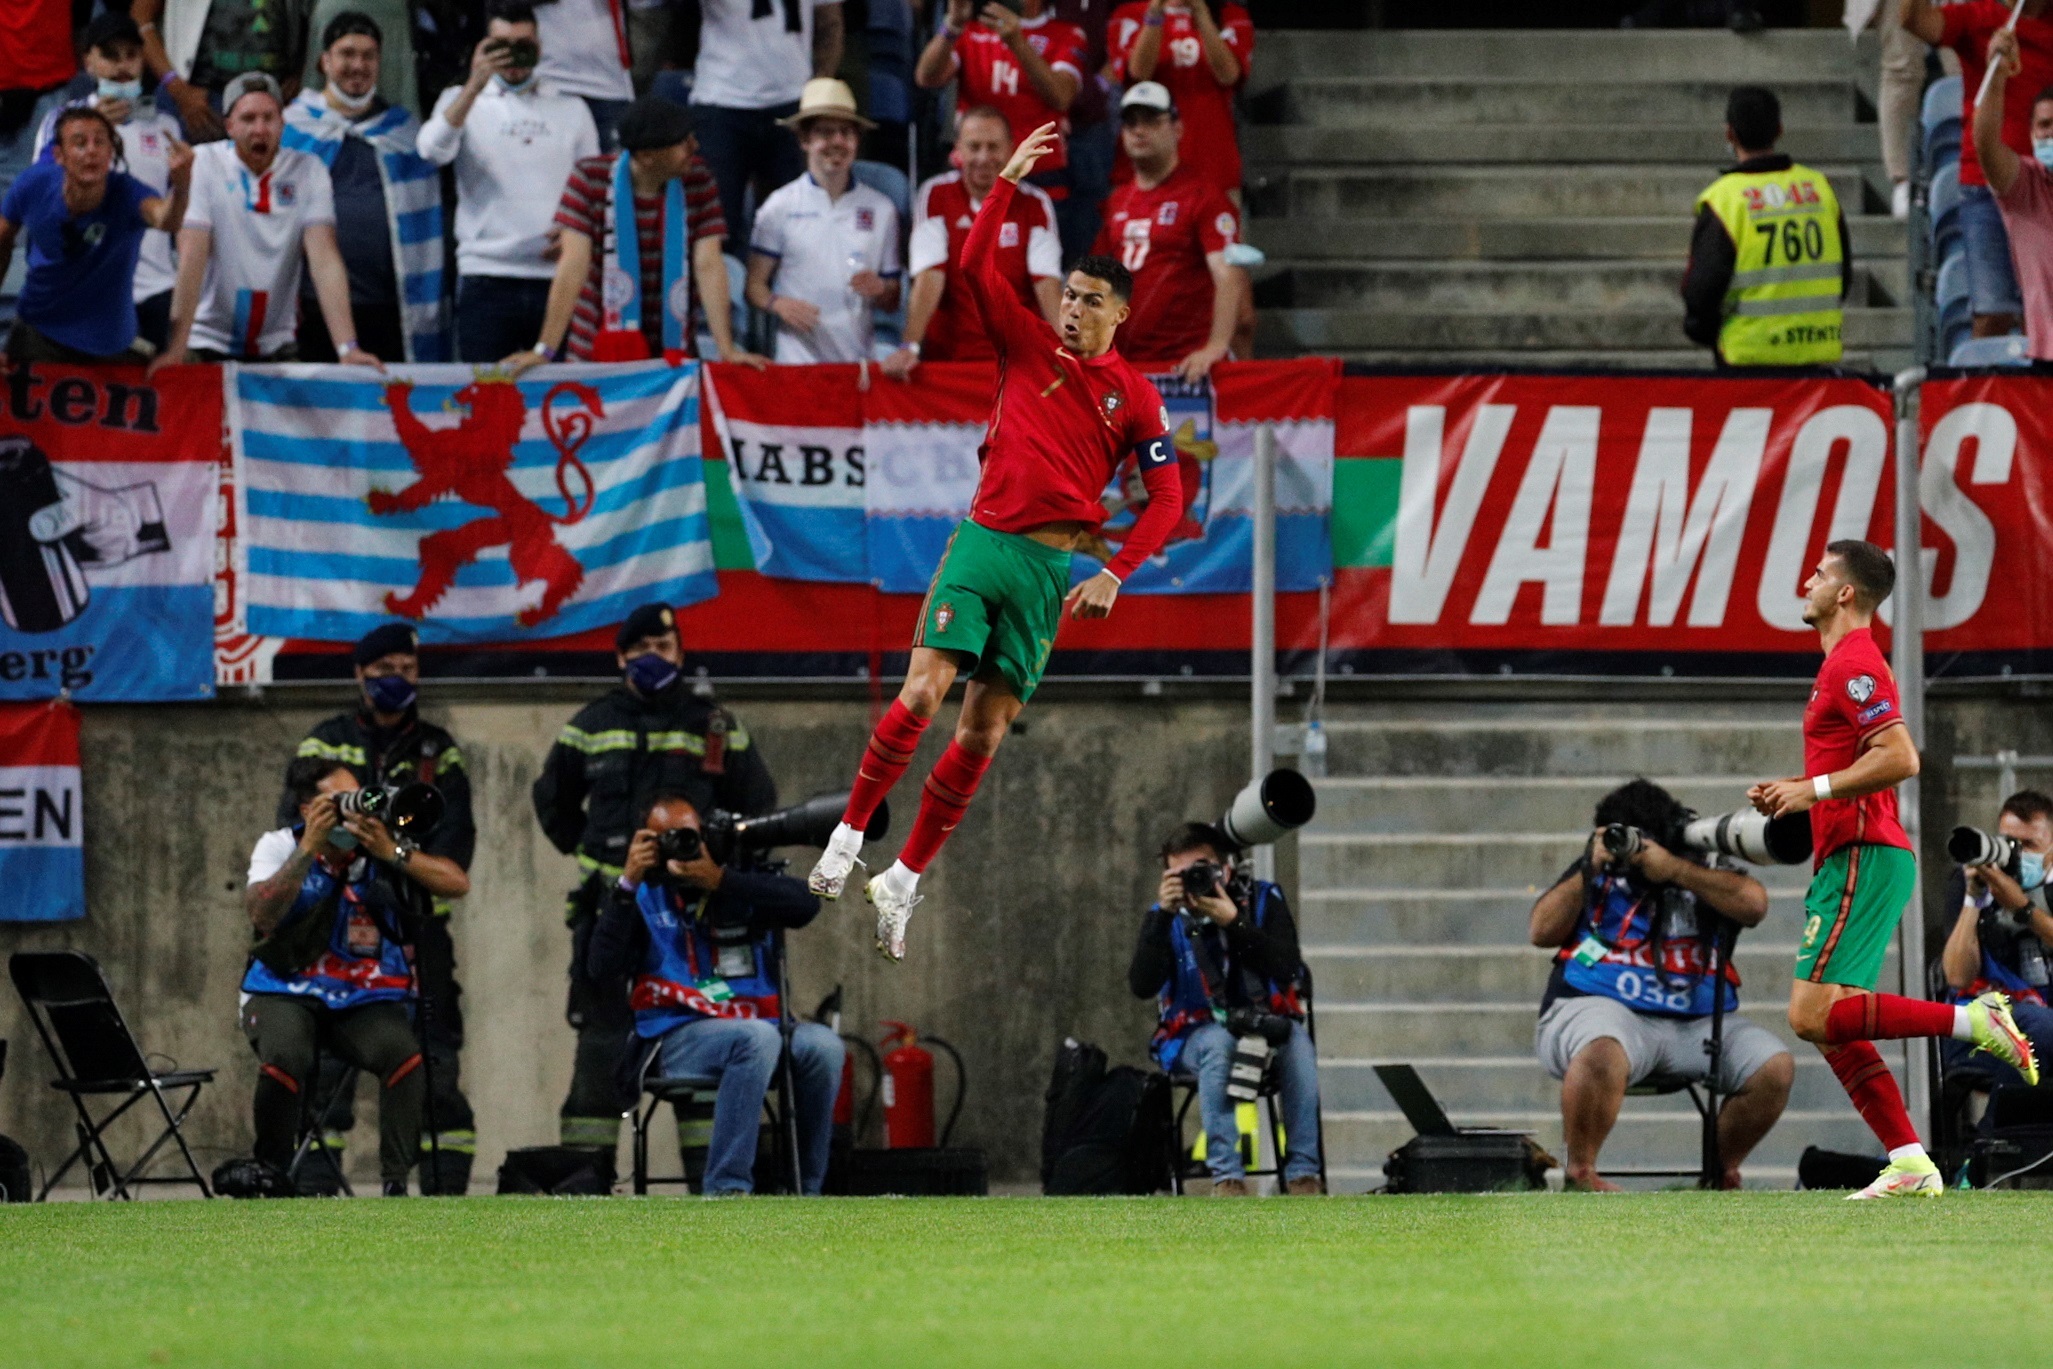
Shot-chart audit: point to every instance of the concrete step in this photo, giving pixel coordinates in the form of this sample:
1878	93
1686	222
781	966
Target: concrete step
1370	916
1700	145
1517	1082
1519	973
1329	331
1594	190
1665	237
1487	739
1410	102
1433	803
1630	57
1520	287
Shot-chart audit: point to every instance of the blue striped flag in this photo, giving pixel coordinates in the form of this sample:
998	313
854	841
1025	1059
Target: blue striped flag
487	511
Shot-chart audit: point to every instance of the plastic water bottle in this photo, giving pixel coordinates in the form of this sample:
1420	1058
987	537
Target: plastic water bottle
1312	761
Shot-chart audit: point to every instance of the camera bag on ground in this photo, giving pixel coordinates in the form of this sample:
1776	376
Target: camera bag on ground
1830	1169
926	1172
251	1178
1106	1130
1467	1162
557	1172
17	1185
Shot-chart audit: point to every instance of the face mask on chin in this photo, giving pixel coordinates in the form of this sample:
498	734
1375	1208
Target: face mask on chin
652	676
347	103
512	87
130	91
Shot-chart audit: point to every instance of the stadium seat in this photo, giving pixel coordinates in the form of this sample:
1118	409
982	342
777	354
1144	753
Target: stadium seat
1943	206
1953	335
1951	297
97	1056
1991	351
1939	125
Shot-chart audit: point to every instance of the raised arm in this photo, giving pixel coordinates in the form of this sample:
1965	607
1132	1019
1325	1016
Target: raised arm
1999	163
1010	321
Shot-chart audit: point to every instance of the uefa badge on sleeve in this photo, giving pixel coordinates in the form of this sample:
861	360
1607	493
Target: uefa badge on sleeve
1861	688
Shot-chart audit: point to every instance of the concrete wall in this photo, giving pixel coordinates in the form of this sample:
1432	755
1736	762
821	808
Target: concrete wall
1024	937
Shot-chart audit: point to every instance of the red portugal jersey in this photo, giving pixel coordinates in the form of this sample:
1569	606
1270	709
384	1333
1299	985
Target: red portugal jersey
1028	250
989	74
1163	236
1211	145
1854	698
1062	424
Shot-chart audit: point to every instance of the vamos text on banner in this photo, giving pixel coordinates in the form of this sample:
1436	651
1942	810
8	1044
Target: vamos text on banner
484	510
107	509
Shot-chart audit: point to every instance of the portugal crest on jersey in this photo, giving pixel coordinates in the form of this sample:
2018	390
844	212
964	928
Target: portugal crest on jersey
1110	402
944	614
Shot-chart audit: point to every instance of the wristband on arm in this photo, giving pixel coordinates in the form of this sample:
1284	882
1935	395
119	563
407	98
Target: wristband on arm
1821	786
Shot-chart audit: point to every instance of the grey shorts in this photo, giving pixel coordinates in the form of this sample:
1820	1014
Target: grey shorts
1653	1045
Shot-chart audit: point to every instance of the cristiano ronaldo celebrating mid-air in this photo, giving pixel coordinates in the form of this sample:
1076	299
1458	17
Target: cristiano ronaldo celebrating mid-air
1856	751
1069	409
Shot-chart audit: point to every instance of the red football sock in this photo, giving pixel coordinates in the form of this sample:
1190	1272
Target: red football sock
949	789
890	751
1886	1017
1873	1089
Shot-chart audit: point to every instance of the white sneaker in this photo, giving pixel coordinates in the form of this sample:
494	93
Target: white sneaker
1914	1176
1899	201
894	910
830	875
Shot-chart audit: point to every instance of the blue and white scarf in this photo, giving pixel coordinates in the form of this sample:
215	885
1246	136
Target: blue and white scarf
413	207
620	330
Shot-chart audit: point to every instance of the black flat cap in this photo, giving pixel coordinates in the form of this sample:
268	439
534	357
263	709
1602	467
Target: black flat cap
650	620
383	640
652	122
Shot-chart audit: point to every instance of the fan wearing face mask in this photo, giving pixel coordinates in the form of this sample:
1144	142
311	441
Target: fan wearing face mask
649	737
384	741
2023	187
2003	937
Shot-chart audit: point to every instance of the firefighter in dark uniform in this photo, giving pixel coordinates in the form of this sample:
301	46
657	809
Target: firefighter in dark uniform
650	737
386	741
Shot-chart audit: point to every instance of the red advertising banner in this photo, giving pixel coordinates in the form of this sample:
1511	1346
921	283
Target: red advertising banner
1589	524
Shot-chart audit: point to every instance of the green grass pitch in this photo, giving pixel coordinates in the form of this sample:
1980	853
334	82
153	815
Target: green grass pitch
1681	1279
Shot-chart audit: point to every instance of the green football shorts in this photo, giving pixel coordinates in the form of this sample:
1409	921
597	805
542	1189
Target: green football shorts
996	598
1854	906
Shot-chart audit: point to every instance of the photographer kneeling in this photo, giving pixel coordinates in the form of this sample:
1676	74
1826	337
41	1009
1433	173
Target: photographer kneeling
699	940
1220	955
2001	939
332	951
1630	996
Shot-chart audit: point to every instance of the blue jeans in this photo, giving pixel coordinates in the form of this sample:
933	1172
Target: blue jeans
497	316
1992	279
743	147
1208	1057
742	1054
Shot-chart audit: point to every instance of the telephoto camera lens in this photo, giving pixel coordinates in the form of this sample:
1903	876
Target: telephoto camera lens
1973	846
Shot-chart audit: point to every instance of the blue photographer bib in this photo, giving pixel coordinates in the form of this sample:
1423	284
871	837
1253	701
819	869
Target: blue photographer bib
1613	952
685	973
361	963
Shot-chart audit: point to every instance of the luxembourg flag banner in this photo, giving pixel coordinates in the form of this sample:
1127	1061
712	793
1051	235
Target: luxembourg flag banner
42	814
484	509
107	514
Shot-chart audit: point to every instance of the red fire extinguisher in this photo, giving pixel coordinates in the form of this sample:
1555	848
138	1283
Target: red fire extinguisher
908	1091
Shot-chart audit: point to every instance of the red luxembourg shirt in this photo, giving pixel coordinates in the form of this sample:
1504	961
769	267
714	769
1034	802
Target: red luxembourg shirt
989	74
1967	28
1211	143
1028	249
35	44
1854	699
1062	424
1163	236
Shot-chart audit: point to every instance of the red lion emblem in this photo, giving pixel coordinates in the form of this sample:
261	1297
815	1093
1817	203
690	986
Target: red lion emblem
471	461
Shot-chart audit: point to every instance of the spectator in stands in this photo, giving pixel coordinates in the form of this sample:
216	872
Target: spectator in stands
36	59
398	64
2002	940
1218	953
1023	62
658	177
194	48
506	133
388	202
2023	187
754	62
824	254
85	221
1631	995
1761	298
1202	62
1900	93
941	320
1966	29
585	53
1171	228
1093	144
112	83
260	212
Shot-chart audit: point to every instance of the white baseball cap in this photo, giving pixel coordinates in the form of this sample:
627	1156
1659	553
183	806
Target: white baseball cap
1148	95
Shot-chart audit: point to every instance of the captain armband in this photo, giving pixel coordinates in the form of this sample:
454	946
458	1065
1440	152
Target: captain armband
1155	453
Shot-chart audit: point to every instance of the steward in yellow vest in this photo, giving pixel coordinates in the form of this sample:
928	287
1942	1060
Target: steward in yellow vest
1769	259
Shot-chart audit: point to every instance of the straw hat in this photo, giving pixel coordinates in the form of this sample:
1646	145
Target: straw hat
826	98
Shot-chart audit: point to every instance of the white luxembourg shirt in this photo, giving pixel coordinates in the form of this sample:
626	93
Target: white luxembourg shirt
819	244
250	296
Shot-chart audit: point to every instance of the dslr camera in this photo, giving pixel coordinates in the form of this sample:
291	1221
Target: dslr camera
725	836
409	810
1973	846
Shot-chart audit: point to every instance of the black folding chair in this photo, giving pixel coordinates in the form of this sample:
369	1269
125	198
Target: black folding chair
313	1134
1184	1167
96	1055
693	1097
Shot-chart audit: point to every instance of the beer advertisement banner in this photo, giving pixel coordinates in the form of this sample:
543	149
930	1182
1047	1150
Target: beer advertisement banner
1590	524
107	509
42	814
483	509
